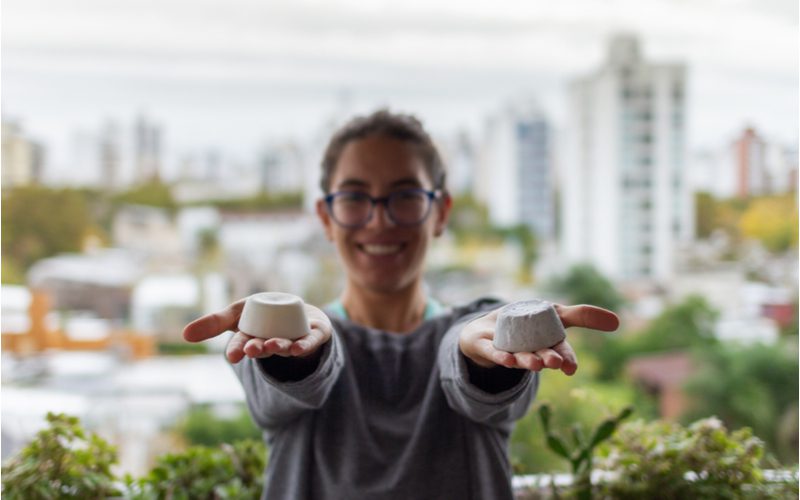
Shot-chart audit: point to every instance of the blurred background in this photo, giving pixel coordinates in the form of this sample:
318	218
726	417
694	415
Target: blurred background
160	158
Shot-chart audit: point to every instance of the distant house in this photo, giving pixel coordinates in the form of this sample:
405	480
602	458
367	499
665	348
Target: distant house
663	375
99	282
148	232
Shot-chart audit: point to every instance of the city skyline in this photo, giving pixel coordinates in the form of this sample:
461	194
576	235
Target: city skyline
233	76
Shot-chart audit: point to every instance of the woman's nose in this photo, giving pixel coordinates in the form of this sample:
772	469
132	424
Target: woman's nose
380	217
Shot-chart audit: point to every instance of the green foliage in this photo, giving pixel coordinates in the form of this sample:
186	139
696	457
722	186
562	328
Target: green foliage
199	473
181	348
581	453
469	221
667	461
686	325
11	272
62	461
39	222
705	216
584	284
259	203
202	427
580	400
772	220
754	386
153	193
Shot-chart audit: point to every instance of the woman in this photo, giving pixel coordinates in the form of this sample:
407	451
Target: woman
390	396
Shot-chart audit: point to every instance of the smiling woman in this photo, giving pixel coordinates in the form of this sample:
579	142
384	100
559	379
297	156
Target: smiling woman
389	392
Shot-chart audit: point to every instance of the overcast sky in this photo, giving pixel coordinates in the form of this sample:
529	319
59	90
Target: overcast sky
233	74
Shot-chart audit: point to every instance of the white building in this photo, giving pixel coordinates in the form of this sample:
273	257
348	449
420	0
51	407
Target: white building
22	157
515	173
625	200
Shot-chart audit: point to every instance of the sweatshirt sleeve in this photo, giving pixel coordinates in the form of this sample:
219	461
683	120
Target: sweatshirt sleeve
274	401
497	409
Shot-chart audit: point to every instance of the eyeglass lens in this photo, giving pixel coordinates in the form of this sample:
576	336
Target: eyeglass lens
403	207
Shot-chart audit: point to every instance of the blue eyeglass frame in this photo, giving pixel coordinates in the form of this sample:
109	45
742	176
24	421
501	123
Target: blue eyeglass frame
383	200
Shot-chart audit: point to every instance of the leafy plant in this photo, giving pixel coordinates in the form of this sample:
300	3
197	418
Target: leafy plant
202	427
581	453
665	460
62	461
202	473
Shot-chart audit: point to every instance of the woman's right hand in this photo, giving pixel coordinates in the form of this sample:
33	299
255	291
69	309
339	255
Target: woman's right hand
241	344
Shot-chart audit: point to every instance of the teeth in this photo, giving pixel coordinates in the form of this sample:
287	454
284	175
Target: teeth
381	249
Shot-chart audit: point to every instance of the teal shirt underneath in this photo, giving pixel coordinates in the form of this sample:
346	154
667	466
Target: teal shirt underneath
432	309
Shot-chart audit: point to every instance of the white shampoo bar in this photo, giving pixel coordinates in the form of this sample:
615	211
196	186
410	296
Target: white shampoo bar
528	326
274	314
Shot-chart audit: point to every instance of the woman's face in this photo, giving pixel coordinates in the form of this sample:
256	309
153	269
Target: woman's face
381	256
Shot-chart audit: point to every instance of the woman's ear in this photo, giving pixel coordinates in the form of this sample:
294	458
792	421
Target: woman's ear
445	204
325	218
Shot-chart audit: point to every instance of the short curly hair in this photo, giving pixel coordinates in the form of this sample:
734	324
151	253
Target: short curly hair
382	122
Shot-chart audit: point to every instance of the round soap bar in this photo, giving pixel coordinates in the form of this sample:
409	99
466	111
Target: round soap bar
274	314
528	326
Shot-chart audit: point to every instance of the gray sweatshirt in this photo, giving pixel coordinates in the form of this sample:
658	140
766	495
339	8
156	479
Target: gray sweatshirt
388	416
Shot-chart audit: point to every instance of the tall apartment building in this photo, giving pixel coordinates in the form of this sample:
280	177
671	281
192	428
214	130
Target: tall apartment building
625	200
515	174
147	150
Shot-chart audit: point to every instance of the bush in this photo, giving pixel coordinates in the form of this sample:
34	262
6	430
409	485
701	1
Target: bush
753	386
668	461
202	427
199	473
62	461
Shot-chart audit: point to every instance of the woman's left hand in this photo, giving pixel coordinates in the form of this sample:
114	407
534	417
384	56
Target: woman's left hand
476	339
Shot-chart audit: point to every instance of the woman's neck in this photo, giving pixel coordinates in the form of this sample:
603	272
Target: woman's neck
400	311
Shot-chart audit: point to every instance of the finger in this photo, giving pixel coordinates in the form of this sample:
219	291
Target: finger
277	346
486	350
529	361
234	351
309	343
586	316
569	364
254	348
550	358
212	325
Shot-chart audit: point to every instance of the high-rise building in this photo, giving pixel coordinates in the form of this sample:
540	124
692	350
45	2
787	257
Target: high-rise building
515	175
22	157
749	152
625	200
147	150
110	156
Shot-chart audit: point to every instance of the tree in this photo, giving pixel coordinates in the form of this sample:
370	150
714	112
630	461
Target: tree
772	221
584	284
682	326
39	222
153	193
754	386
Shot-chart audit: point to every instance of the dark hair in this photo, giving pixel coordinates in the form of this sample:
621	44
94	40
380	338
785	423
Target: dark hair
384	123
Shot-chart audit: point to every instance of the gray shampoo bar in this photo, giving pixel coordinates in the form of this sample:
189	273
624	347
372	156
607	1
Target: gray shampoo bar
528	326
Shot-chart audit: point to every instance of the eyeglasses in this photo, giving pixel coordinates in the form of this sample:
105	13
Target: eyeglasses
353	209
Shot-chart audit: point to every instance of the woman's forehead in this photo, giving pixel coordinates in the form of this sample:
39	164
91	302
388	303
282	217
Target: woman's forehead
380	161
